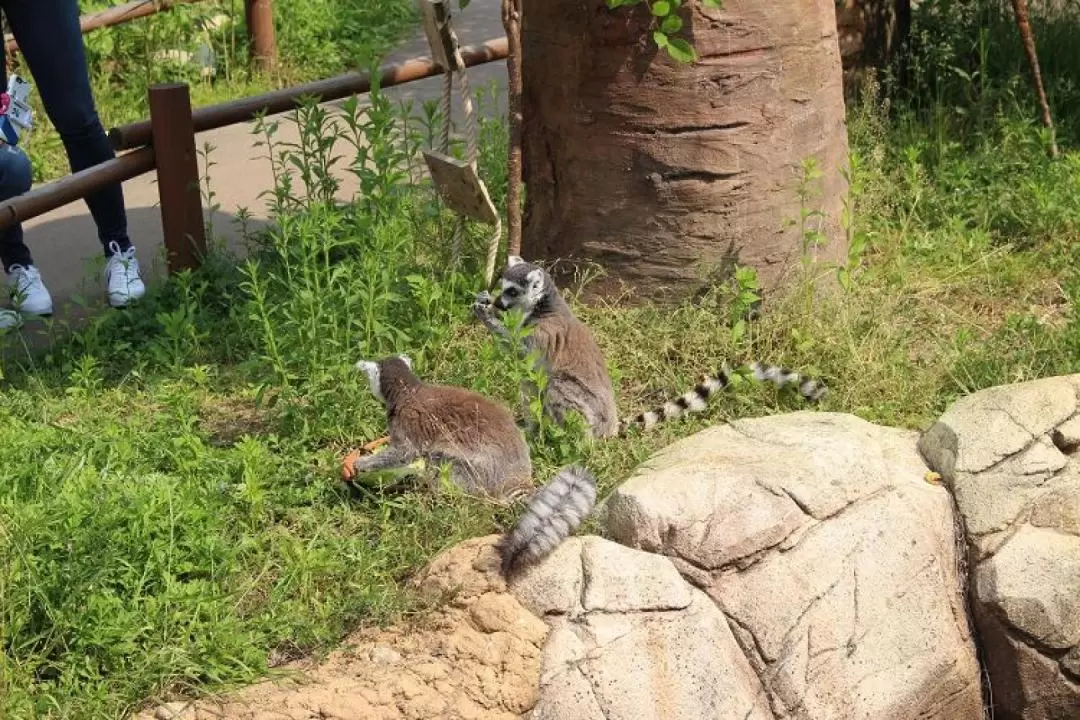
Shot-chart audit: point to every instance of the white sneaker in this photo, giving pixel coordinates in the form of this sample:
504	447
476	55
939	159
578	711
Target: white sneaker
122	276
9	320
28	292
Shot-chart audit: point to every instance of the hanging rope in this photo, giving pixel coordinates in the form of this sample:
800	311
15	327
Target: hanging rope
471	157
445	109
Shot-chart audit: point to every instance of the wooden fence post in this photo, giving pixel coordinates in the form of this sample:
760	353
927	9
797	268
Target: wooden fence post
173	136
260	23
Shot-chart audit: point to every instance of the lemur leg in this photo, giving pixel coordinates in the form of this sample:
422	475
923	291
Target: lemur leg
394	457
433	476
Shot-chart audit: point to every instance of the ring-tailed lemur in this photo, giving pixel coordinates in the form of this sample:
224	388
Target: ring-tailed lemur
577	372
486	452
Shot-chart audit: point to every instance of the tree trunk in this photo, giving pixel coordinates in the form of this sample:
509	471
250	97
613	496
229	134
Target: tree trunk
870	34
664	173
1023	25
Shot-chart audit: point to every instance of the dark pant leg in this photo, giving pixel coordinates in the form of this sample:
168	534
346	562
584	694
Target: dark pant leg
14	180
49	38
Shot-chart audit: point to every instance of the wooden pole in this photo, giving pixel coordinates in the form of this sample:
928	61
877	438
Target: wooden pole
173	135
335	88
70	188
1023	24
511	17
260	22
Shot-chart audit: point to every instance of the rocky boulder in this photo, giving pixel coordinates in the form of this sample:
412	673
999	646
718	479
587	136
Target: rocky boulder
632	640
832	559
1010	454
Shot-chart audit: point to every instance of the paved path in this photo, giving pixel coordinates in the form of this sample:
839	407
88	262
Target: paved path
64	242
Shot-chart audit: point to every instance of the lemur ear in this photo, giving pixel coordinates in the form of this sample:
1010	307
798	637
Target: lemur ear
514	260
405	359
367	367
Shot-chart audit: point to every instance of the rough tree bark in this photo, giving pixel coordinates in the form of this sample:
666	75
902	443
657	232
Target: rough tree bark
663	172
511	17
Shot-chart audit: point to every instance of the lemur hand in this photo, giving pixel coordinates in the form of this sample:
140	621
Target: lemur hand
482	306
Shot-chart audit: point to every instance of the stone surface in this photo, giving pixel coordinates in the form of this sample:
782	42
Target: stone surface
475	658
635	643
832	559
1010	455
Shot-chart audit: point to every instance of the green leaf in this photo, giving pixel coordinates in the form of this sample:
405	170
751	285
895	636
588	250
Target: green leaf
661	8
712	4
738	330
681	51
462	4
845	278
672	24
660	39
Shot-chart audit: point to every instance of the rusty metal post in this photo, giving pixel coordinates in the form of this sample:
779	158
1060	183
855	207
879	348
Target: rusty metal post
173	136
260	23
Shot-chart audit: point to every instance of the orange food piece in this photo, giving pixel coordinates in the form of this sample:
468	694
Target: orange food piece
347	470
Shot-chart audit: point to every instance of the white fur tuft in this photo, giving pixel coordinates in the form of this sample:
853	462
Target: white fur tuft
371	369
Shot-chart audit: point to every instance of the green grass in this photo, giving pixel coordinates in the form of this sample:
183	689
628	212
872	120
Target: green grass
315	39
170	514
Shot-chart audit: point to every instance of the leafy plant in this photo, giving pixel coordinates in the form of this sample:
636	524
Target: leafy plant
667	23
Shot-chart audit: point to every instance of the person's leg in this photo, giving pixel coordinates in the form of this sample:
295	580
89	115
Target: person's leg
15	179
49	38
27	290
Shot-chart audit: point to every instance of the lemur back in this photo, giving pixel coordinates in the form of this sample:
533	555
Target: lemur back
487	454
442	423
577	372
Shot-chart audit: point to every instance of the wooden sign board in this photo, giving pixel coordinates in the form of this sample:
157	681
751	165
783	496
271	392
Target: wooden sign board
440	35
459	185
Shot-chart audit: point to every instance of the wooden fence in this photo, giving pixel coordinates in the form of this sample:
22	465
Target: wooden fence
166	143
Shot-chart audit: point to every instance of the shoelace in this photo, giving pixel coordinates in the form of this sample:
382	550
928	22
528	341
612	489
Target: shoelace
124	259
21	276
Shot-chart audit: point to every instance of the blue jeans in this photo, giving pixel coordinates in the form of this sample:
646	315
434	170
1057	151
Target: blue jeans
49	39
15	178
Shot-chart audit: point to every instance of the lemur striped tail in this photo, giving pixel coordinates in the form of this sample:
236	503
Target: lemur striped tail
552	515
697	399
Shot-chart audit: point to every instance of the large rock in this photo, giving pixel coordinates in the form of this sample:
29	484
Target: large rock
1010	455
631	640
832	558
